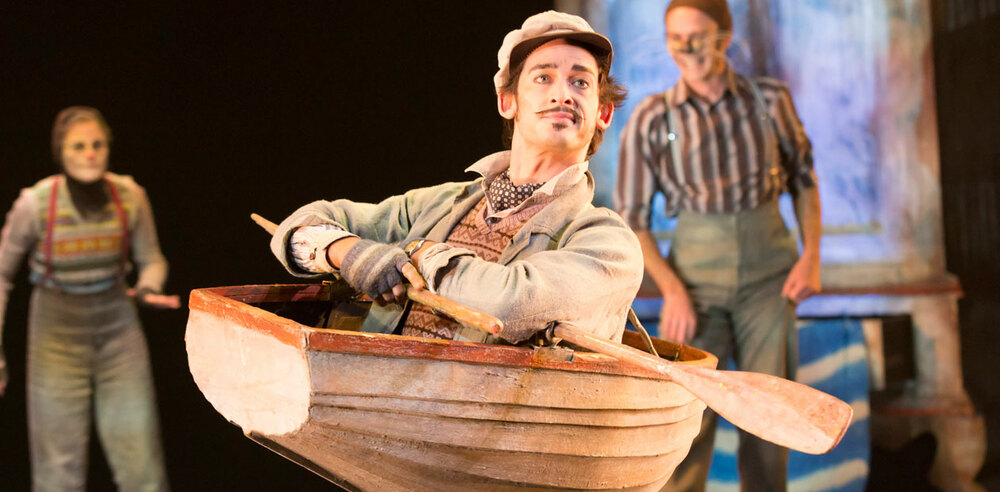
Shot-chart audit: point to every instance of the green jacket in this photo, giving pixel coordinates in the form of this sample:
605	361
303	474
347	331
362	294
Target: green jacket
571	263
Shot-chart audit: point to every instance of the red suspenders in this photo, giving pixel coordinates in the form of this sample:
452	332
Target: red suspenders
50	226
122	218
51	222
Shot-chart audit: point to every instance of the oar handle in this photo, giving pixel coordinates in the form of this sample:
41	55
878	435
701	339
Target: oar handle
267	225
457	311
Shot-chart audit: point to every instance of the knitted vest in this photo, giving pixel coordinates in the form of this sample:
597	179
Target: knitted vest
488	242
80	256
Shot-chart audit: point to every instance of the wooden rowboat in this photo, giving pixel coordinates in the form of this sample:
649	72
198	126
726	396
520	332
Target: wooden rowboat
385	412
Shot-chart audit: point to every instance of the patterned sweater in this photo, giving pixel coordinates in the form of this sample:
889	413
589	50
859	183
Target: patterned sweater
85	256
487	240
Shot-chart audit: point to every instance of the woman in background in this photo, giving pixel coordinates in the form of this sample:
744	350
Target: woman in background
82	229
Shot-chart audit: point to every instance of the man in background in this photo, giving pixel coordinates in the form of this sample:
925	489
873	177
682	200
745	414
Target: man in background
722	147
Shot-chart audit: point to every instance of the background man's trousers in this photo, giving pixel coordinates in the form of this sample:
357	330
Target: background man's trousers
734	266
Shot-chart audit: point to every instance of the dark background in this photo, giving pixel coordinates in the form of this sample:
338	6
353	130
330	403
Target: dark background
967	78
228	108
225	109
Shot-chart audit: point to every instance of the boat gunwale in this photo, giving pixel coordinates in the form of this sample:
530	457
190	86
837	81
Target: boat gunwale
233	303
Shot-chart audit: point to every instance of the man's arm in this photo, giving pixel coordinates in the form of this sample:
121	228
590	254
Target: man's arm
16	239
151	264
804	279
318	238
389	222
677	317
797	160
633	197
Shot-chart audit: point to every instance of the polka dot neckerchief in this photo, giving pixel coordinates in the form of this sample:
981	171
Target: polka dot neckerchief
504	194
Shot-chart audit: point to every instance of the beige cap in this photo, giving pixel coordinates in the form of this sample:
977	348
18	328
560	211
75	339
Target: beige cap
542	28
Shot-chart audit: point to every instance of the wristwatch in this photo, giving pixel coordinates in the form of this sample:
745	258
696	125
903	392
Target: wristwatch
413	246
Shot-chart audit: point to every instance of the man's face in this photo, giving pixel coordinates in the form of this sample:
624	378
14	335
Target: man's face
695	43
557	108
85	152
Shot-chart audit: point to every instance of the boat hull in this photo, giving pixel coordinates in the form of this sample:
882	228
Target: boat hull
384	412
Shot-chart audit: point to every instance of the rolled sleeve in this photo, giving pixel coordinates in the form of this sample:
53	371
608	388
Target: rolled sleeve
636	183
307	246
796	149
436	261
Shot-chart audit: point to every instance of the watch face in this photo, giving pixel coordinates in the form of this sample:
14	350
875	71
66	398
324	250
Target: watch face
413	246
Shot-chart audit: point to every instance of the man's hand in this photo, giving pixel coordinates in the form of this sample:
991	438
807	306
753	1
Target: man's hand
399	290
803	281
3	372
378	270
152	299
677	317
162	301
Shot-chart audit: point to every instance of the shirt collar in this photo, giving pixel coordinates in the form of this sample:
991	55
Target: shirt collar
683	93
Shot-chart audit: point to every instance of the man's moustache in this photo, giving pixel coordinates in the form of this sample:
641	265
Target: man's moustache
560	109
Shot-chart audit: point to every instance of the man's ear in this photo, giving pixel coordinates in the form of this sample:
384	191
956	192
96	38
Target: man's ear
604	114
507	105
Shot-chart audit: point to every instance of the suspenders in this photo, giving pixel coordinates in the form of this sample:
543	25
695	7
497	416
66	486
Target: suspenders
50	226
772	130
47	245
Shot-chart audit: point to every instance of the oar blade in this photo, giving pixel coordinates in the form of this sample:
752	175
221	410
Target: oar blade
784	412
777	410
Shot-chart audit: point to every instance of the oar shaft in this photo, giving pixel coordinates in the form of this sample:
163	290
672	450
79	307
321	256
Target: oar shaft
621	352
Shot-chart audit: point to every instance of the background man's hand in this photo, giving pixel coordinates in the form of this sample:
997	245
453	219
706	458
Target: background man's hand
3	372
677	316
154	300
162	301
803	281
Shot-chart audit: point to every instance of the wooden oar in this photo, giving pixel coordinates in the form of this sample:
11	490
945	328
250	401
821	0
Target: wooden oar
778	410
775	409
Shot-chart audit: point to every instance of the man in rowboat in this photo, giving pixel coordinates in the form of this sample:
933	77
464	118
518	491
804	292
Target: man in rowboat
521	242
721	148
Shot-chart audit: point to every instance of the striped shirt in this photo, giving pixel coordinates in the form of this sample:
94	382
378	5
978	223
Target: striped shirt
733	155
